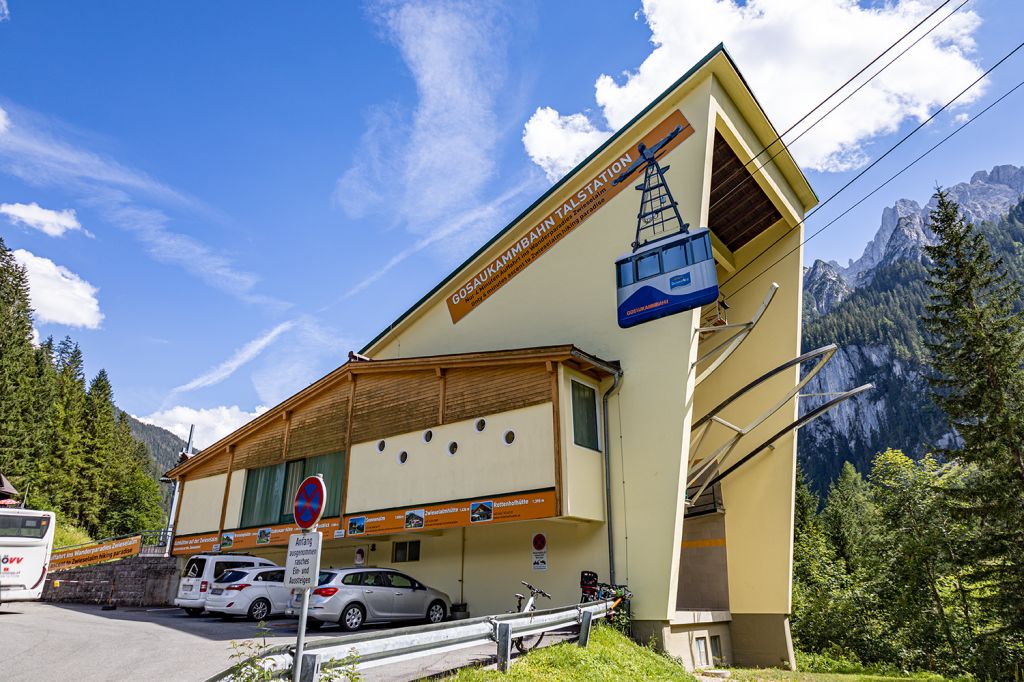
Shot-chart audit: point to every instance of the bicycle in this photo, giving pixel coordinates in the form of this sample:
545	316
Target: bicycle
530	642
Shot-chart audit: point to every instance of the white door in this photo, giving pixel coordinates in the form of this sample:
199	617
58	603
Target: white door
277	593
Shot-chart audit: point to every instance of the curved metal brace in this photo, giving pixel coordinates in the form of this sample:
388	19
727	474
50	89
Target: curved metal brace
703	424
803	421
733	342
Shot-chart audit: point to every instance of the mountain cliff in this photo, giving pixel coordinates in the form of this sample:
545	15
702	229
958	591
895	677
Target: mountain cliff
871	308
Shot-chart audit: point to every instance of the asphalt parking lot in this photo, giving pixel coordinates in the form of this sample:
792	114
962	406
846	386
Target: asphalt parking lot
65	642
40	642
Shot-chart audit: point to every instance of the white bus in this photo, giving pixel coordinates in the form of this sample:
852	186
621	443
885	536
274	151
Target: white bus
26	538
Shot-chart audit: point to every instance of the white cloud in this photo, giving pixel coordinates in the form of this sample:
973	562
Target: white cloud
415	171
49	222
240	357
212	424
125	197
793	53
559	142
5	13
59	295
311	352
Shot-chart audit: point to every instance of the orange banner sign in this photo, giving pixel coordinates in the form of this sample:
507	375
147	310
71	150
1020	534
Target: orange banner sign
479	512
576	207
494	509
87	555
246	538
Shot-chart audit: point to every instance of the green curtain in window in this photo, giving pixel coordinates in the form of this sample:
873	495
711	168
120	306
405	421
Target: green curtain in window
584	415
263	489
332	467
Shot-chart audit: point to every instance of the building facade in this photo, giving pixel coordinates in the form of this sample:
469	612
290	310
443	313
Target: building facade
509	403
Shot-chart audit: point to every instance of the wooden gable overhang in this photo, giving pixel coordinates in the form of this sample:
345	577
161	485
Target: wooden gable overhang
369	399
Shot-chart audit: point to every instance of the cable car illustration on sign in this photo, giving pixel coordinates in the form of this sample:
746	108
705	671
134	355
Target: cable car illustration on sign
671	269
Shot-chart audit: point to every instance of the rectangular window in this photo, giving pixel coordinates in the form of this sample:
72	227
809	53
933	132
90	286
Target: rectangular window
584	416
648	266
261	503
405	551
626	274
673	258
700	248
702	652
716	650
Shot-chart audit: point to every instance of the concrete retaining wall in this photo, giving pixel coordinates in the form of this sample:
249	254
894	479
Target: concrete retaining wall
135	581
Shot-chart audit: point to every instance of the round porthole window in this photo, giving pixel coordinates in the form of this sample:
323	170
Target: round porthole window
453	447
403	457
509	437
428	436
380	446
481	424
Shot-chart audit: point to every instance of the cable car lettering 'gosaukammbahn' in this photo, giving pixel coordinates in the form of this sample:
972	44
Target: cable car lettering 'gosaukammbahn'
667	276
671	270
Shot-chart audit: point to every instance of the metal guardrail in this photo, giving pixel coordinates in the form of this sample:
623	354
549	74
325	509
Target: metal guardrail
378	648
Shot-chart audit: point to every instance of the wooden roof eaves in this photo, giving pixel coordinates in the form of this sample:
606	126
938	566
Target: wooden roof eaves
511	357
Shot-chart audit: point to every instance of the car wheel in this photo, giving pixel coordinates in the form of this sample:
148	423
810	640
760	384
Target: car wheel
259	609
352	618
435	612
194	612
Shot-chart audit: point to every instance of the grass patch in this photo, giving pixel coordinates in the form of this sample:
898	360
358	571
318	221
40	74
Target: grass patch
610	656
770	675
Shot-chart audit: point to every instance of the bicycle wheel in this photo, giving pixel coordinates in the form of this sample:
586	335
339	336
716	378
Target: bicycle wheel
529	643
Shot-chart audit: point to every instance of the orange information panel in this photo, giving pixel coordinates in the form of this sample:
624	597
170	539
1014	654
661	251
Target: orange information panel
478	512
247	538
538	504
97	553
580	202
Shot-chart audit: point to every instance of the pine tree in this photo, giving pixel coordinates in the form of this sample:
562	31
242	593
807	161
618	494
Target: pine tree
67	481
16	371
100	456
976	348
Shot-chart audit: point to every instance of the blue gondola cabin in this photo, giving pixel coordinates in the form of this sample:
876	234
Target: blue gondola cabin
665	277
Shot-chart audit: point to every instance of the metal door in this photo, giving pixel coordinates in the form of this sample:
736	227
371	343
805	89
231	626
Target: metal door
410	602
377	594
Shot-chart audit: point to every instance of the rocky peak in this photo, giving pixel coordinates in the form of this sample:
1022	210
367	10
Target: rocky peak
903	229
824	287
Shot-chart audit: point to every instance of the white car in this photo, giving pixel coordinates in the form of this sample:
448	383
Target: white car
256	593
203	570
352	597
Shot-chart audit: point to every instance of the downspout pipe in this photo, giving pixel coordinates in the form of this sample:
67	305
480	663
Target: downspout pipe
608	475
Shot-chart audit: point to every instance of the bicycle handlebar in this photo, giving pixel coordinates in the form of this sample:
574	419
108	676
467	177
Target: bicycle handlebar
536	590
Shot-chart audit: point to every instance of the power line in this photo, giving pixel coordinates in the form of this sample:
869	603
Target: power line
869	194
786	145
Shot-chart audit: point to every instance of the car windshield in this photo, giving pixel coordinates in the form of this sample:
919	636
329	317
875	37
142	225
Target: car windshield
232	576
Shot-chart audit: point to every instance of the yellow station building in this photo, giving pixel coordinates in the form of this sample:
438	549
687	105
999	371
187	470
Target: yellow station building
509	403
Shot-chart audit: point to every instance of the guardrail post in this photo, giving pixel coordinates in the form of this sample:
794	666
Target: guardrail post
588	616
504	646
310	671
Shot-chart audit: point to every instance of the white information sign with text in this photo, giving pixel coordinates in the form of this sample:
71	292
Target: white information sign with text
303	564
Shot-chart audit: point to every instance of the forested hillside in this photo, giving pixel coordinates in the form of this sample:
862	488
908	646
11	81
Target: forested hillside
872	309
63	443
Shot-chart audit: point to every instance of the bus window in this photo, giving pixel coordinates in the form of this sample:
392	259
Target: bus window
700	251
626	273
23	526
673	258
648	266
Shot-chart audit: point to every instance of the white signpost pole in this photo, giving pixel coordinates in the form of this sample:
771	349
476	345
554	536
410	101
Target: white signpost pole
302	567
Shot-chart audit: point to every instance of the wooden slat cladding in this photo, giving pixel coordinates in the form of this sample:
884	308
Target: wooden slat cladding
740	210
262	448
321	425
473	392
389	404
217	464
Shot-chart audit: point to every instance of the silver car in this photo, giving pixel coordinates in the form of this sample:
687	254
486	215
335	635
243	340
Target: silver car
352	597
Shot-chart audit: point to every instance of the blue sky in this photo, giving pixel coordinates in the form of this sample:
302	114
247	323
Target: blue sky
219	201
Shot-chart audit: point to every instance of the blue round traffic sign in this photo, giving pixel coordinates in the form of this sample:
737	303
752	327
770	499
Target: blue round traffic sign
310	501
